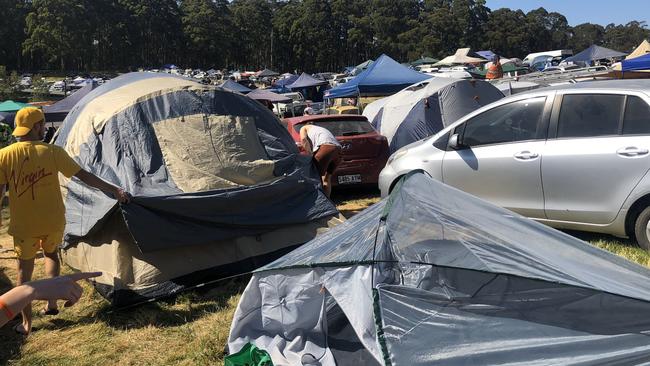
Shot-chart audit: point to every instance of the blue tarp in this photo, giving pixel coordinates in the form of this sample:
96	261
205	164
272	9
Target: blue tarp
306	81
595	53
637	63
235	86
488	55
384	77
57	111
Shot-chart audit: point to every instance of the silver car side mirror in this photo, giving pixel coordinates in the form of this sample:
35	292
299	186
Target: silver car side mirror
454	142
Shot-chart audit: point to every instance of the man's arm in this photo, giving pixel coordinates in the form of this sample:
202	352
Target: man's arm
304	139
92	180
57	288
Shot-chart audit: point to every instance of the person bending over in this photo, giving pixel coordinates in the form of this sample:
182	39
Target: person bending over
326	152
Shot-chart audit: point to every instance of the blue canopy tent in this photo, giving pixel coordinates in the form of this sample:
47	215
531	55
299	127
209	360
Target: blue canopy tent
310	87
636	64
384	77
306	81
235	86
594	53
59	110
281	85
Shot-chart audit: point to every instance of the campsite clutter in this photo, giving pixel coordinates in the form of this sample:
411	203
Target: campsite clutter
428	275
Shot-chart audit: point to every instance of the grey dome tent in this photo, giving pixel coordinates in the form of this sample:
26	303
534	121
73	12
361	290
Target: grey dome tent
434	276
424	108
219	186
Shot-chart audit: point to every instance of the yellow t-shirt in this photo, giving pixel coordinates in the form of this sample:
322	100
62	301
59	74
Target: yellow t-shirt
30	169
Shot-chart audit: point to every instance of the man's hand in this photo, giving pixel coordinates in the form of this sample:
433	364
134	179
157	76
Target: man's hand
122	196
60	288
92	180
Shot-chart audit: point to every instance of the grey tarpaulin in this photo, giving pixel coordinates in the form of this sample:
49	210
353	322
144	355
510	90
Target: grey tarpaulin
206	167
434	276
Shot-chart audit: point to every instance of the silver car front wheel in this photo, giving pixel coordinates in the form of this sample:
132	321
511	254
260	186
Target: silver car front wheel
642	229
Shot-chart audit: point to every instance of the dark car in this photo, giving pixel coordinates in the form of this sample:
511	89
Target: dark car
364	151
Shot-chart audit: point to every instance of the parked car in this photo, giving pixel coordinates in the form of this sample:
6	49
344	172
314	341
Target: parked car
364	151
574	156
295	108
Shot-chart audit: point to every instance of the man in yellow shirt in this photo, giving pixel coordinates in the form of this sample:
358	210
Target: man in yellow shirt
30	169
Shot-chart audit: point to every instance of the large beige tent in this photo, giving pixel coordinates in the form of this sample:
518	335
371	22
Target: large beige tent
219	186
643	48
461	57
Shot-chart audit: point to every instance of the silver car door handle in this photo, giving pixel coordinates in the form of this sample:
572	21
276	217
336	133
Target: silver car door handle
526	155
631	151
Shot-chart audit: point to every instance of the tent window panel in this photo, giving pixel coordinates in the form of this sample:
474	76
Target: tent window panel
637	117
589	115
512	122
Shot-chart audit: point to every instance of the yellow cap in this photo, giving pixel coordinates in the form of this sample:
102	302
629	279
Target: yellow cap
25	120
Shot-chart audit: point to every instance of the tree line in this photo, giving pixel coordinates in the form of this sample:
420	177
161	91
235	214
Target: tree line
284	35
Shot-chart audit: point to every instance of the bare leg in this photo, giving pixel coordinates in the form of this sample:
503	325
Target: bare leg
327	184
25	270
52	269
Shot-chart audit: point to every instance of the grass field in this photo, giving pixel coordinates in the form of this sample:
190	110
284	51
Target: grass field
189	330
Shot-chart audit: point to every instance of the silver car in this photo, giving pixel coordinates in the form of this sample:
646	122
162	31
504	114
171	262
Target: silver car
573	156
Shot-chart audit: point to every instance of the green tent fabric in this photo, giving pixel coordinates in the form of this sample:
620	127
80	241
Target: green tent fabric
249	355
11	106
424	60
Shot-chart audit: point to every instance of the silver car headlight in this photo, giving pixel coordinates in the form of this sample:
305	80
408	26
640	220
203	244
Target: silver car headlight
398	154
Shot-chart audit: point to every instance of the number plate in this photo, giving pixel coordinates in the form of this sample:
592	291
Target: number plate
349	179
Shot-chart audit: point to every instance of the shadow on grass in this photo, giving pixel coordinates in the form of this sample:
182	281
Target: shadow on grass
10	341
350	200
594	237
168	312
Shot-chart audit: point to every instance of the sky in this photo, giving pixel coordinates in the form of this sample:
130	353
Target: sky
577	12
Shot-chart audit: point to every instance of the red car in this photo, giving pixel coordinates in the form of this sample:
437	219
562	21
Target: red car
364	152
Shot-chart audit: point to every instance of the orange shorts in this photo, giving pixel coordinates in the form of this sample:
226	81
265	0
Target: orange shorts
26	247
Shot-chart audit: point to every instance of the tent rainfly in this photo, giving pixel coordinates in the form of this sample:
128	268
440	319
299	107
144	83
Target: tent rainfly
460	58
594	53
219	186
434	276
235	86
383	77
423	109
